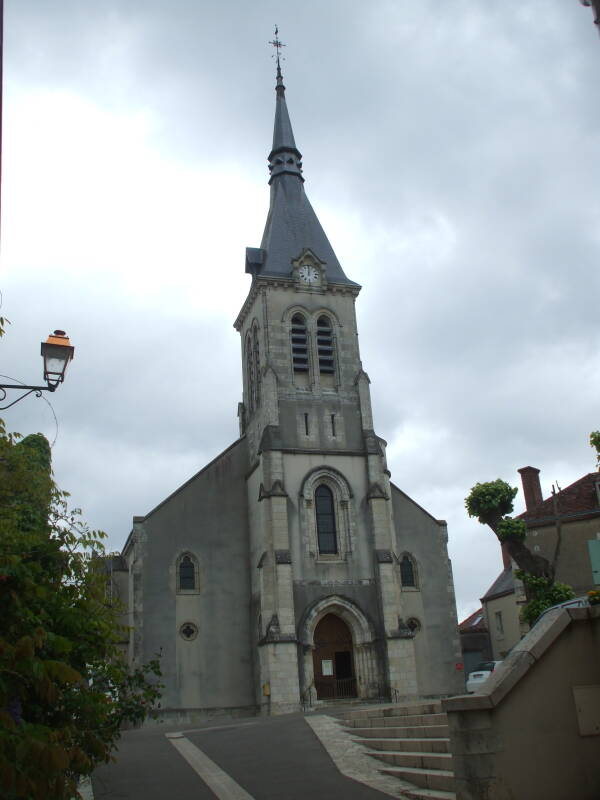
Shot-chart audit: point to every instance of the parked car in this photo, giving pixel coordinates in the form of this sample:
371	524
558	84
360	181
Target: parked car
480	675
575	602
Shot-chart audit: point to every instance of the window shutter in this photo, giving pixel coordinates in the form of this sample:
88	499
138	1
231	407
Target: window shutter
299	344
594	550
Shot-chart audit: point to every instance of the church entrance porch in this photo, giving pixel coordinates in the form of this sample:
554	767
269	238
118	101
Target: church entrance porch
333	661
335	630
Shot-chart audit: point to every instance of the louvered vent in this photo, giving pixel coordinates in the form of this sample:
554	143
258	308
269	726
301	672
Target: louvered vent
325	346
299	344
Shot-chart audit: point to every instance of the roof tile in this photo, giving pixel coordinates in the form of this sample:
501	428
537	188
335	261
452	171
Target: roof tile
578	498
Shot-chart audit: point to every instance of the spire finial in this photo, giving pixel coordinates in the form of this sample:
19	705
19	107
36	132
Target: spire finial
278	44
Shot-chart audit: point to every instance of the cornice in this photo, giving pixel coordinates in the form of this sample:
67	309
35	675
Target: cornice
261	282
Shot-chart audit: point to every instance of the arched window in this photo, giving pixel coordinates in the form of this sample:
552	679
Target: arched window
256	367
328	515
186	577
299	338
250	373
407	572
325	514
325	345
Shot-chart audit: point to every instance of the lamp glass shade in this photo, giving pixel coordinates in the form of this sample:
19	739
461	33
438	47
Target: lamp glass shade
57	352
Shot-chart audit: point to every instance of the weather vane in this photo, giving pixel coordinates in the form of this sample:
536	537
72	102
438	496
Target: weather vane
277	44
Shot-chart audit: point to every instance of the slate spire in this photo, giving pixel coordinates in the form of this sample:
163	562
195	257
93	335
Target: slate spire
284	156
292	226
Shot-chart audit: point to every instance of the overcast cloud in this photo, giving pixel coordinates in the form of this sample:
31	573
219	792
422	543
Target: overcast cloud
451	153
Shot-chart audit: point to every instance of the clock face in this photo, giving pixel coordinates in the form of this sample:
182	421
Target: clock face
308	274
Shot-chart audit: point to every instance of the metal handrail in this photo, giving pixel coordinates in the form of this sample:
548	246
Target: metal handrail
335	689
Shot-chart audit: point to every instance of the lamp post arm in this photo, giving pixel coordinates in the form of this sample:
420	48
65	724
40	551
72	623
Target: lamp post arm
27	390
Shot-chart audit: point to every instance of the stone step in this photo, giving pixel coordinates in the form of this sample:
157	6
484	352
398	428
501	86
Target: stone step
409	720
437	718
437	761
419	793
396	710
414	745
439	779
414	732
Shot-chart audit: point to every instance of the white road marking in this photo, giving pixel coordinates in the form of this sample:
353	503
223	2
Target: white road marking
208	729
213	776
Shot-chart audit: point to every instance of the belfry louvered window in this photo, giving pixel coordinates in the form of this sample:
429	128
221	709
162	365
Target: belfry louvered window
325	514
325	345
256	367
299	344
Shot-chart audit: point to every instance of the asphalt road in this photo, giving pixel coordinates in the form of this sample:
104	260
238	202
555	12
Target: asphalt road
277	758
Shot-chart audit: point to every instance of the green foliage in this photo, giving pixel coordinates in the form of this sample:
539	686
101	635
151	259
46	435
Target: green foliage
509	528
543	594
490	501
65	690
595	443
594	597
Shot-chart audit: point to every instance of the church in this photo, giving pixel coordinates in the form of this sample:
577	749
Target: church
290	571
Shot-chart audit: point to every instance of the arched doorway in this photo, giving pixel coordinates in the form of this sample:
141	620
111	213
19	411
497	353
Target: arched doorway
333	660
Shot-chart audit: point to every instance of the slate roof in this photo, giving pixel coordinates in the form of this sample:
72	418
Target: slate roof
292	225
283	135
504	584
114	563
474	623
578	499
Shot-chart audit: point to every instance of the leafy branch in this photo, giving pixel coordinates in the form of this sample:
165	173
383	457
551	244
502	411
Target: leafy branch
65	688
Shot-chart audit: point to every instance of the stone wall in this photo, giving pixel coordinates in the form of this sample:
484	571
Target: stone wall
208	518
573	566
432	601
533	731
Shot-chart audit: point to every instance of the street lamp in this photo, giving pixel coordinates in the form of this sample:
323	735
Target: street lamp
57	351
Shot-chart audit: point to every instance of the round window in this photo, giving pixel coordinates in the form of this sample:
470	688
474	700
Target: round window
188	631
414	624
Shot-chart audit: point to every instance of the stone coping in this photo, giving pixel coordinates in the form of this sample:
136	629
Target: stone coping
521	659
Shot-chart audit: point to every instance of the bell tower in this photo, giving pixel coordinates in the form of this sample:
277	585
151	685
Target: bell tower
298	324
318	486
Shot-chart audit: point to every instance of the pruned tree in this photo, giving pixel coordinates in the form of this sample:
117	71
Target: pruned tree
492	503
595	443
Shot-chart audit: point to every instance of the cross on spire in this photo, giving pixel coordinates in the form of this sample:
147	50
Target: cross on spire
277	44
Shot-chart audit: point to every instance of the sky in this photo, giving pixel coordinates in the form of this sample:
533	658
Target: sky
451	154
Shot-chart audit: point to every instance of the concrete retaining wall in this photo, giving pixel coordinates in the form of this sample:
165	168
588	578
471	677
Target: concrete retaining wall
533	730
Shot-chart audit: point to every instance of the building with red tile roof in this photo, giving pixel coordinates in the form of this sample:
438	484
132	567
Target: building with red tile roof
563	528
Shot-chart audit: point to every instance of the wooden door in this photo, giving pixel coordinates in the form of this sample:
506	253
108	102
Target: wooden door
332	659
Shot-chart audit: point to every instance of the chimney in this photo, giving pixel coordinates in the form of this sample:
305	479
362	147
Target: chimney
506	559
530	478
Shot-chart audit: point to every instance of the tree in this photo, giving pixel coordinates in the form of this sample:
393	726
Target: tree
65	692
595	442
491	503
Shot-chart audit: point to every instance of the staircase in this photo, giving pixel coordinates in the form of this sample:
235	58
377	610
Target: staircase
412	742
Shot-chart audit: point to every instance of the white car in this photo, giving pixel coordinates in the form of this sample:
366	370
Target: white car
480	675
575	602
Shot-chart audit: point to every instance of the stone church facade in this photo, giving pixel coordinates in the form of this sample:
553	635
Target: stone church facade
290	569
